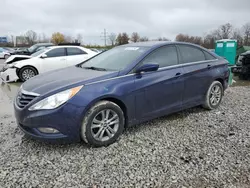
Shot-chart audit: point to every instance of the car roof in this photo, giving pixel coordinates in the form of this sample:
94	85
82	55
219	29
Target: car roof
157	44
64	46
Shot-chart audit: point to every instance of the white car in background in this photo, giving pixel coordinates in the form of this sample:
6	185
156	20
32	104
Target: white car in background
4	54
50	58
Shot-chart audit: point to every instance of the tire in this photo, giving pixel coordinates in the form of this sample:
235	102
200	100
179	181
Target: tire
95	128
209	103
30	72
6	56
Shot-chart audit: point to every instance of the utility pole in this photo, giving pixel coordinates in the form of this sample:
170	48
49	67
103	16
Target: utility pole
104	35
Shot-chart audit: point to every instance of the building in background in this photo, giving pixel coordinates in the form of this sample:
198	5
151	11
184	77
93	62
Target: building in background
3	40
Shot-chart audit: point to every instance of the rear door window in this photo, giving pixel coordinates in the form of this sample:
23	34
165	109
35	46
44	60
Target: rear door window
75	51
208	56
191	54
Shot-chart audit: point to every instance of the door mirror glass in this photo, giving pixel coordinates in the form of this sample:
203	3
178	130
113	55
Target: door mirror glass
147	68
43	56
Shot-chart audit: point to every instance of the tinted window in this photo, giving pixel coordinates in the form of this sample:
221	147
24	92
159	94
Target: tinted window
164	56
208	56
75	51
191	54
56	52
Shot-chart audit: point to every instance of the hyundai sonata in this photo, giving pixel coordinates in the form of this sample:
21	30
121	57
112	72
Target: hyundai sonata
95	100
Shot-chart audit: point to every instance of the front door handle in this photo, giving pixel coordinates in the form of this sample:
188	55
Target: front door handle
209	66
177	74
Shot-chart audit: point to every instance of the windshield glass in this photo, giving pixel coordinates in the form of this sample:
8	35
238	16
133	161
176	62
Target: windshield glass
115	59
32	48
38	52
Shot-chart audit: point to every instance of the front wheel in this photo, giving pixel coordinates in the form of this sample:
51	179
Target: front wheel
213	96
102	124
26	73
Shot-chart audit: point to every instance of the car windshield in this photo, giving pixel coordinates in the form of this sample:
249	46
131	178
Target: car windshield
115	59
39	52
32	48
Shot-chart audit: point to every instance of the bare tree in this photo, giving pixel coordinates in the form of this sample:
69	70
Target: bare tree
208	41
135	37
246	32
226	30
122	38
31	37
119	39
79	38
112	38
125	38
143	39
237	35
192	39
223	32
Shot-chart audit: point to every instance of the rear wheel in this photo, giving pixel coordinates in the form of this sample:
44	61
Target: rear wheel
102	124
26	73
213	96
6	56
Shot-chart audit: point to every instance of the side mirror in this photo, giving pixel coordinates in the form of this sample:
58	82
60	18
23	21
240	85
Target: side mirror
43	56
147	68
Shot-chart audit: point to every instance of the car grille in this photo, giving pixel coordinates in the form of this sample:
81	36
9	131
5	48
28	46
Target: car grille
23	100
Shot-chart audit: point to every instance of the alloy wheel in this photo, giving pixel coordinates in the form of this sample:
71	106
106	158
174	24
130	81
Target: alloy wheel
104	125
215	95
27	74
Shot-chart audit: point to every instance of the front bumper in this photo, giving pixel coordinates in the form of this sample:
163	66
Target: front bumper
9	75
66	119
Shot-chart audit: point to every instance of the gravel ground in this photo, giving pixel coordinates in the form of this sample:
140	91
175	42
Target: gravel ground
193	148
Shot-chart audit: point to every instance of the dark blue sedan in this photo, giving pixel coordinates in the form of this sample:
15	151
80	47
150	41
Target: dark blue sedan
95	100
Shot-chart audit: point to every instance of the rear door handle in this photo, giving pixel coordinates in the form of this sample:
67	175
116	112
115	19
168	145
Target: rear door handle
177	74
209	66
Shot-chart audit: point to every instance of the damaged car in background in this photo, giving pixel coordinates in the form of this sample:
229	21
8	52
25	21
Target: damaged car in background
31	50
24	67
242	68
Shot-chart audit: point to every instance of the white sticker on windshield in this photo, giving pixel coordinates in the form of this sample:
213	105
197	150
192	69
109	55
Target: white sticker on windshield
131	48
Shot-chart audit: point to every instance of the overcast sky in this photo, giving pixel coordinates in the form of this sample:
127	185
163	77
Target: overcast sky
152	18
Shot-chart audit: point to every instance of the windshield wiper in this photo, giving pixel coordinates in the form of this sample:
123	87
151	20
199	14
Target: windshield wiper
95	68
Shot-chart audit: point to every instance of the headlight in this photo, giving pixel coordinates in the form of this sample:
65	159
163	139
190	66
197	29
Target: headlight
11	65
55	100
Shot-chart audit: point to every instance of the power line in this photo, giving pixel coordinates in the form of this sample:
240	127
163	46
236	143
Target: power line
104	35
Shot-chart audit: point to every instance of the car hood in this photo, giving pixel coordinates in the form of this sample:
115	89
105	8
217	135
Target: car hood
15	58
64	78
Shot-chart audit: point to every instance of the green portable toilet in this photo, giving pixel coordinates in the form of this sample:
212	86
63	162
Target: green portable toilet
226	48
